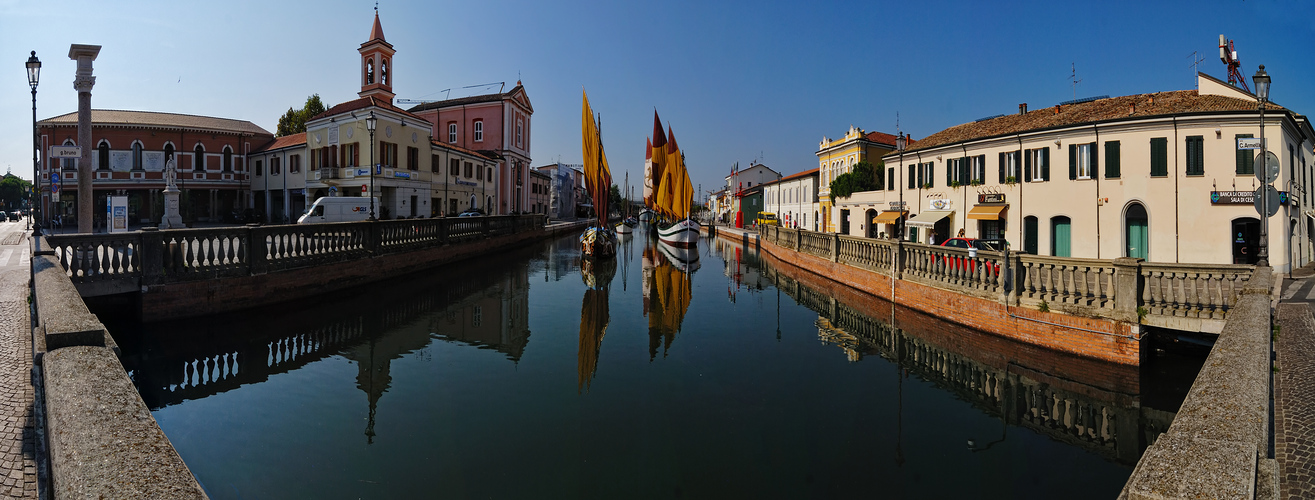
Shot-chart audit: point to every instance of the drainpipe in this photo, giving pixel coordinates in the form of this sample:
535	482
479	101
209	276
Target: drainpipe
1096	178
964	207
1019	179
1176	243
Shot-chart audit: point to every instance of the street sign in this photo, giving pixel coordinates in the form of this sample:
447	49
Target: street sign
1269	172
333	190
65	152
1271	204
54	177
1248	143
365	188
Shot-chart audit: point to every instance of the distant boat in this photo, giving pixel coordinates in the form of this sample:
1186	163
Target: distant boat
627	225
598	240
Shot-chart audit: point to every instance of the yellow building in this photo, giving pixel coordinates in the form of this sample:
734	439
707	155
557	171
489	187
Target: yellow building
838	157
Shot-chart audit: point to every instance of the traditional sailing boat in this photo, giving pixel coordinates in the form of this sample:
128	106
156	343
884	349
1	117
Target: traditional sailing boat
672	193
598	240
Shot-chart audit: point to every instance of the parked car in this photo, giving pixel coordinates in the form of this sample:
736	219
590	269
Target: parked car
954	262
473	212
13	216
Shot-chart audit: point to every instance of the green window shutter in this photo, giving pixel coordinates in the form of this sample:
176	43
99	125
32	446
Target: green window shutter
1093	161
1159	157
1245	161
949	171
1045	164
1072	162
981	160
912	168
1027	165
1112	160
890	185
1003	161
931	175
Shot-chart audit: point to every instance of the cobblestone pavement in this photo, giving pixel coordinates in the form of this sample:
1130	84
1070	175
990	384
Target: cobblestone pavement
1294	390
18	478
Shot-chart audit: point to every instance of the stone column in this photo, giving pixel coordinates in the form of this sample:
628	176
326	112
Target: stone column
1127	288
83	82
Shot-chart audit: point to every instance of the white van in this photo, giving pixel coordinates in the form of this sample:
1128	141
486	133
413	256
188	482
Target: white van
339	209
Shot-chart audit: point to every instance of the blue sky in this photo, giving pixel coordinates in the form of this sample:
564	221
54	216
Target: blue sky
737	81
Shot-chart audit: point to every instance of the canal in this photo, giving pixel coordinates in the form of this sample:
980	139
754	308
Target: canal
522	375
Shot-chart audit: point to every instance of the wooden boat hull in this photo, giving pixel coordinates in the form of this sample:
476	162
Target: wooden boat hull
682	233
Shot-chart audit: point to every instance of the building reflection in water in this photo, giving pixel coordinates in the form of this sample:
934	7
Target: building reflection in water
471	305
1086	403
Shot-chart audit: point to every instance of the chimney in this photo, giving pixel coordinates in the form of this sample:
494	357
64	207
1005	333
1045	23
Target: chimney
1056	109
1022	109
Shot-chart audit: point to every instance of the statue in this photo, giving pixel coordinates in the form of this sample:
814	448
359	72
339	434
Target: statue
170	176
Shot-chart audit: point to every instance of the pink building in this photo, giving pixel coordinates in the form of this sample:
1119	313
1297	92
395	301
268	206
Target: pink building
491	123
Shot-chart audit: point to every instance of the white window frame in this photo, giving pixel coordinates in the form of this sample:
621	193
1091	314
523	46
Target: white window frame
452	133
519	128
978	166
479	130
1011	165
1037	158
1084	161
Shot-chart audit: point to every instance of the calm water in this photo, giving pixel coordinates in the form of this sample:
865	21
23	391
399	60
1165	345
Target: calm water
513	377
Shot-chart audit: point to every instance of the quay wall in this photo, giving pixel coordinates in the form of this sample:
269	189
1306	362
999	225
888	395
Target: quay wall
95	436
1096	338
205	297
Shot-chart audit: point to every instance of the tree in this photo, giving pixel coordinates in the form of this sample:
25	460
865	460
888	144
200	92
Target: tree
616	201
294	120
14	191
862	178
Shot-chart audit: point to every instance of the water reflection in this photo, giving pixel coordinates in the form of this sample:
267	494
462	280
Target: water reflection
1089	404
597	275
667	291
171	363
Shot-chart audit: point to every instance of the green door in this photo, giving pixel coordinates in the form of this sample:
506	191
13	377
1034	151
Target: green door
1029	235
1137	235
1060	237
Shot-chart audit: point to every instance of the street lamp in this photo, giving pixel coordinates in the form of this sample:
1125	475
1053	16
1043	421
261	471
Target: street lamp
900	143
1261	79
370	124
33	76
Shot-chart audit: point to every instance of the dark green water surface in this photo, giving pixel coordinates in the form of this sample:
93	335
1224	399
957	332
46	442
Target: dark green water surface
510	377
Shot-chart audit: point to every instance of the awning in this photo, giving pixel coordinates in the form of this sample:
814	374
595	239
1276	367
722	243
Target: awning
888	217
987	212
930	217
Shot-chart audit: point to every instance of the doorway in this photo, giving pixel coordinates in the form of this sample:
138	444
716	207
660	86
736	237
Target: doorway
1029	234
1136	232
844	221
872	227
1061	236
1245	236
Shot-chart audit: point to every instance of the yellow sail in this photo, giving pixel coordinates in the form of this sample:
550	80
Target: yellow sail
597	175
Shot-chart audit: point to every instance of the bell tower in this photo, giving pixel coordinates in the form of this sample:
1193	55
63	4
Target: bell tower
377	64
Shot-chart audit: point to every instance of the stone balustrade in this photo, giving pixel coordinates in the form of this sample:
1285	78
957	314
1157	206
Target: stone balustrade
1190	297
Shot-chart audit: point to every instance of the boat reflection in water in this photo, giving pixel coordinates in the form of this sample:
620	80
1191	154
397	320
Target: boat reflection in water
667	292
597	275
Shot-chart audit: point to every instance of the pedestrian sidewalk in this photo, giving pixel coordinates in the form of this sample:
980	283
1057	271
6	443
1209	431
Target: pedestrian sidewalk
1294	386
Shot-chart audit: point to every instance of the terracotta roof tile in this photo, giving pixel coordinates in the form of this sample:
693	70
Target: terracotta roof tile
1125	107
362	103
101	117
464	100
283	142
795	176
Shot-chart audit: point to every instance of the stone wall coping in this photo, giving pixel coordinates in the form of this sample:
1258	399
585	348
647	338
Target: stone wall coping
104	443
62	315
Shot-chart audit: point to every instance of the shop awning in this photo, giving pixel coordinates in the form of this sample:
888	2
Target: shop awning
888	217
987	212
930	217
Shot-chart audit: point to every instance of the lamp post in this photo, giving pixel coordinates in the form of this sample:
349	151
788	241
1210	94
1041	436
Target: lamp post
33	76
370	124
900	143
1261	80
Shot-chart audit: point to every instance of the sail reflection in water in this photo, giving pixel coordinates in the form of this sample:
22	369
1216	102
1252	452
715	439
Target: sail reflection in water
597	275
667	291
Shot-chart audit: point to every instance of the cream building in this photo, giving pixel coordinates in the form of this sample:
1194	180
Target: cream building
1157	176
793	199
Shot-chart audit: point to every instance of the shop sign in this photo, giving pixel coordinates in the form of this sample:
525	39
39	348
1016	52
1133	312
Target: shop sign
402	175
897	205
991	198
1242	197
940	204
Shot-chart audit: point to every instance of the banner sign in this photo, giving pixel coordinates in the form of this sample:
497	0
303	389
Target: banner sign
991	198
1241	197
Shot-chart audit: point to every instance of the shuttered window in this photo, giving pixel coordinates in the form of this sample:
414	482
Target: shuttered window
1246	160
1195	149
1159	157
1112	160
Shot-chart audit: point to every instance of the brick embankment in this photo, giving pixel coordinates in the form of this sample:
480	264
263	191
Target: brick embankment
1094	338
1294	401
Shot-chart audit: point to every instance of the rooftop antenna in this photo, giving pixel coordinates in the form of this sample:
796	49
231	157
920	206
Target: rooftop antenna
1074	78
1228	55
1196	63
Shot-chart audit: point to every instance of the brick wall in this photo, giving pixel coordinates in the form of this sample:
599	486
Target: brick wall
1114	345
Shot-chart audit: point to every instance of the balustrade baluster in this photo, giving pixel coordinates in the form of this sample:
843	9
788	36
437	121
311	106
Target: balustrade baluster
1193	280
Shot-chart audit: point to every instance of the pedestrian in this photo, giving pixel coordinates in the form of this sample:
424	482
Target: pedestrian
960	232
931	237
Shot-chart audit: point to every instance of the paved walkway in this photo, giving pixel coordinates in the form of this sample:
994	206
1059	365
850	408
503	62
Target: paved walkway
1294	386
17	465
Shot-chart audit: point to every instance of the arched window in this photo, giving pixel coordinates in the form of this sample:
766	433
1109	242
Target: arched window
383	73
198	158
228	159
369	71
68	163
103	161
137	155
1136	232
168	151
